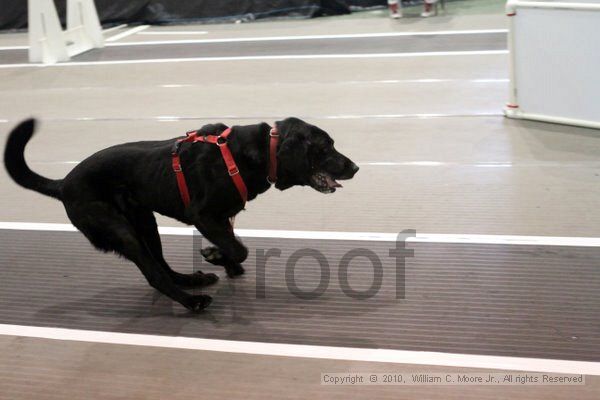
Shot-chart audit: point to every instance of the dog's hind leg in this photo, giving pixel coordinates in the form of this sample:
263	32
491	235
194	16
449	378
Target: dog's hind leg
109	230
229	251
145	225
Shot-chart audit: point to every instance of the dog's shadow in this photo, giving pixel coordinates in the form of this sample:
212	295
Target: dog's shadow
236	313
122	308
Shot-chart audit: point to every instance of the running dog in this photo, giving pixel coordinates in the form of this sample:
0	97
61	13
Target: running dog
111	196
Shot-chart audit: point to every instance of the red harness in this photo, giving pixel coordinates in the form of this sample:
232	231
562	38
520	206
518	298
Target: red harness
232	169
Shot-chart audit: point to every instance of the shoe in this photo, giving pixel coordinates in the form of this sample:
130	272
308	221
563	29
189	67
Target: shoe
395	11
426	14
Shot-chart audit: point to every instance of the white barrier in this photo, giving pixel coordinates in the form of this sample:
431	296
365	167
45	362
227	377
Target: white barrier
47	41
554	62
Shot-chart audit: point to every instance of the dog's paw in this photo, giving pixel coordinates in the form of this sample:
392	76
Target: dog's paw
197	279
234	270
209	279
198	303
213	255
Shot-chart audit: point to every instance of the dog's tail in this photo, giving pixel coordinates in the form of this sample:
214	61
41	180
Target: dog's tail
14	161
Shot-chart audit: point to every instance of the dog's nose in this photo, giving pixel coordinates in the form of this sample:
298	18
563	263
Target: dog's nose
354	168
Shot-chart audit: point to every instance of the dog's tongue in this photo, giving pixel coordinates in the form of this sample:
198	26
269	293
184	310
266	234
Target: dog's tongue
332	183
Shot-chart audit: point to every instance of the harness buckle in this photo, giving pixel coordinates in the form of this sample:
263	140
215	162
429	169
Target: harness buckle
221	141
233	171
177	168
273	133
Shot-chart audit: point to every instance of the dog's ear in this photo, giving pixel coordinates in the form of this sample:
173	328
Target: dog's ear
212	129
293	166
293	156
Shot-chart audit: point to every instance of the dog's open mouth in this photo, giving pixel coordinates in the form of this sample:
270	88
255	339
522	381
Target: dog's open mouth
324	183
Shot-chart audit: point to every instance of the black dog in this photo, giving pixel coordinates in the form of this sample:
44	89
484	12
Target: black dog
111	196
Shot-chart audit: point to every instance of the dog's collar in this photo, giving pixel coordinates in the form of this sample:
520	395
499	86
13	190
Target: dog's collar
273	142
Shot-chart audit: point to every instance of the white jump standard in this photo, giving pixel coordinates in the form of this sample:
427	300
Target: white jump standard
49	44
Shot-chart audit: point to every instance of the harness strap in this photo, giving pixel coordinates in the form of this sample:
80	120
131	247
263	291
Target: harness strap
221	142
273	142
232	169
183	190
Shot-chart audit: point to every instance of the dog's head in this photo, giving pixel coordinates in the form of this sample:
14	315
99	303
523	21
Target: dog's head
307	156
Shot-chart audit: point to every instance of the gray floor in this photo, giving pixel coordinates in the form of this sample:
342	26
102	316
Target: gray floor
436	155
520	301
50	369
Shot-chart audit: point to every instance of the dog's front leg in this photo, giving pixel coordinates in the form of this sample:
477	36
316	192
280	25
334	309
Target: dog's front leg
228	251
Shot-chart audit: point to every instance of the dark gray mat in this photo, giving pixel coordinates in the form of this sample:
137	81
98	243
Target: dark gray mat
531	301
399	44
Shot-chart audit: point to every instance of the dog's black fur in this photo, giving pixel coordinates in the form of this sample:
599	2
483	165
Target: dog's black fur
111	196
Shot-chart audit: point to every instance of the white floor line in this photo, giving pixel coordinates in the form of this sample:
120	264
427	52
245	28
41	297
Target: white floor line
358	236
394	116
175	33
308	351
13	48
174	118
364	82
114	28
428	80
311	37
177	85
490	164
128	32
263	58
